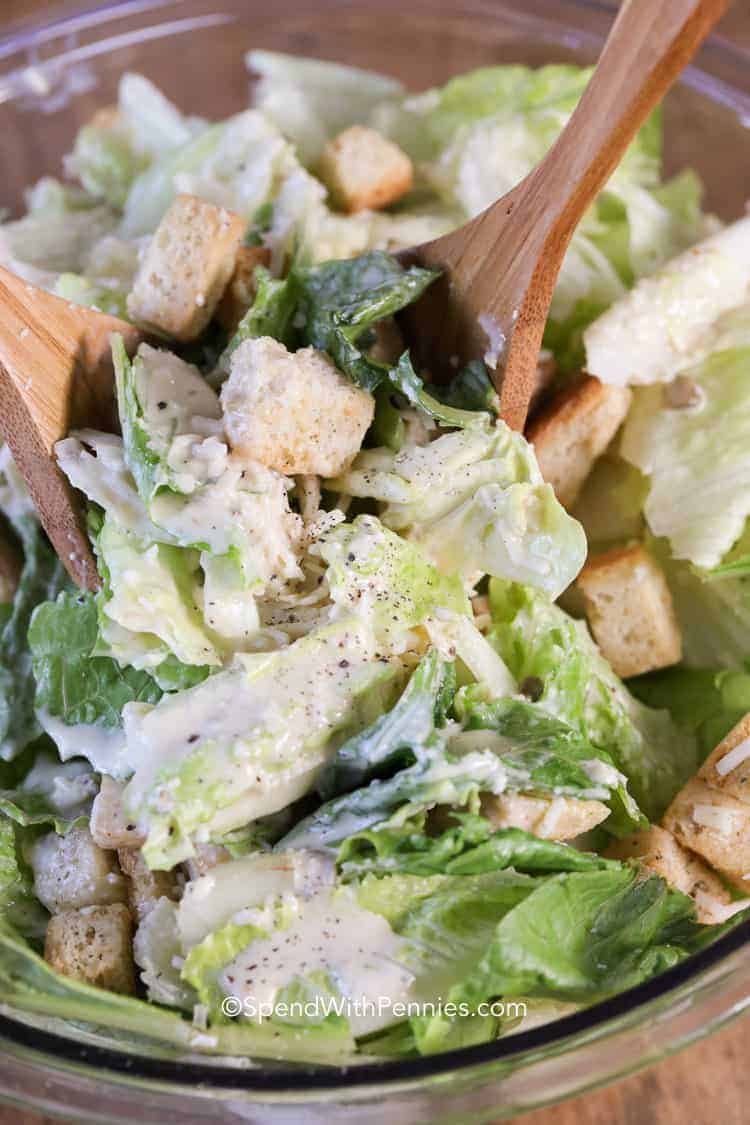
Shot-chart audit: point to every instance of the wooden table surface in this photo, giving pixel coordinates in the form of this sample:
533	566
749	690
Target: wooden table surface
708	1084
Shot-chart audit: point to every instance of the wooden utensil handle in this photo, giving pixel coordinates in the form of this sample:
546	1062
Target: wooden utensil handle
650	42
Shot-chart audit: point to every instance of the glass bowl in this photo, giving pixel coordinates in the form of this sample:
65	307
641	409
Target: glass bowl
53	76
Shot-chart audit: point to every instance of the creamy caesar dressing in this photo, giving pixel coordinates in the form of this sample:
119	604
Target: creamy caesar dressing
104	747
212	900
330	933
250	735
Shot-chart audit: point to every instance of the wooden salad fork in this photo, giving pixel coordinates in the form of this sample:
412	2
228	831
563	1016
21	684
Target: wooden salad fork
55	374
499	270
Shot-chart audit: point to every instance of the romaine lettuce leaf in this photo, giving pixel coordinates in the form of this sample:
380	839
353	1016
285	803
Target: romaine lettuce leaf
539	640
672	319
385	581
247	742
237	164
705	701
474	501
42	577
50	793
18	903
151	589
72	681
163	405
311	99
29	985
698	487
400	734
471	847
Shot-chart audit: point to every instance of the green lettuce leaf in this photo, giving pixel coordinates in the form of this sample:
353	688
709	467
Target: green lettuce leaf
311	100
18	904
469	848
30	986
539	641
543	754
402	732
474	501
72	683
42	577
698	488
249	741
385	581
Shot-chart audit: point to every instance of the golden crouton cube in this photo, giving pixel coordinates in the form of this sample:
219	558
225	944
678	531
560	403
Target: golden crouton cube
145	887
72	871
728	766
240	292
293	411
94	945
549	818
186	268
110	826
629	609
716	826
659	853
363	170
573	429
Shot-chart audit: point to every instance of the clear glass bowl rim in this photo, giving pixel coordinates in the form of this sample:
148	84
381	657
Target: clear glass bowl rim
304	1079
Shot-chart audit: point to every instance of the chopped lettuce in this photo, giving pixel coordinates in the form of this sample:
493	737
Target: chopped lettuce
479	135
672	319
539	640
311	99
42	577
543	754
705	701
341	301
18	903
698	487
163	404
471	847
72	681
28	984
247	742
474	501
385	581
404	731
238	164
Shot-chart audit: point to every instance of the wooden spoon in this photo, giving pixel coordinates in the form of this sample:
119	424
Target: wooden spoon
500	269
55	374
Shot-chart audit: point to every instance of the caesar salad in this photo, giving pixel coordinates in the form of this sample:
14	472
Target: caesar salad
388	730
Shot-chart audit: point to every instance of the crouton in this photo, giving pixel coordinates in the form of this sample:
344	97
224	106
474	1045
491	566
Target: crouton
575	428
186	268
94	945
659	853
716	826
727	768
240	292
629	609
294	412
558	818
72	871
363	170
145	887
110	827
